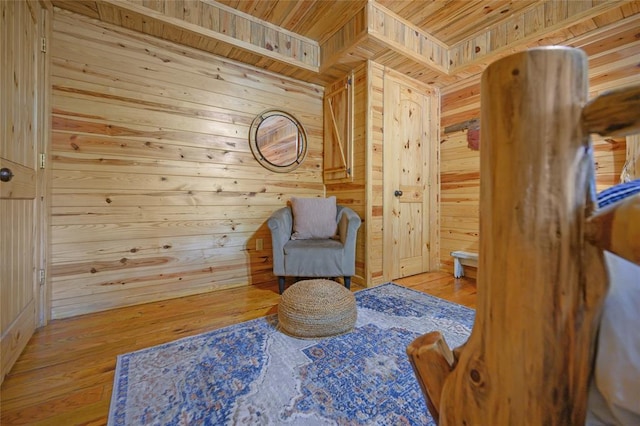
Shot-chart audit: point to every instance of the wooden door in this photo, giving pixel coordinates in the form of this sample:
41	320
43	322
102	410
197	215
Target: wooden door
20	138
338	132
408	133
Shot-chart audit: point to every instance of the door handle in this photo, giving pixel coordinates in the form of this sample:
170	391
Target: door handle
5	174
398	193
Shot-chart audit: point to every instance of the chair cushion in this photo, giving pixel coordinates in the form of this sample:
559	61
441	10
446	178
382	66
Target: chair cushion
314	218
313	258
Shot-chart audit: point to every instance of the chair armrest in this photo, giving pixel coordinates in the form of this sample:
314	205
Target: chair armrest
348	224
281	225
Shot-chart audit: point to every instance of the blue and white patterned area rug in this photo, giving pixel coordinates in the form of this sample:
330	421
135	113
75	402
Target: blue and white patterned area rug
252	374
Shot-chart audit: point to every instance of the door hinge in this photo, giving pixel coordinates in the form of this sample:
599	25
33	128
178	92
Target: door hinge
43	160
42	277
43	45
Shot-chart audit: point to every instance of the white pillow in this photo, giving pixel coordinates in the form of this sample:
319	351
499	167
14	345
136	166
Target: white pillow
314	218
616	397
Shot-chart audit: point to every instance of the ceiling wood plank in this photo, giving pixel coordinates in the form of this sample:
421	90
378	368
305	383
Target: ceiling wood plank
546	17
437	42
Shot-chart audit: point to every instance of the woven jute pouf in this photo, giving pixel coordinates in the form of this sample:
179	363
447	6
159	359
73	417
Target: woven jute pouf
316	308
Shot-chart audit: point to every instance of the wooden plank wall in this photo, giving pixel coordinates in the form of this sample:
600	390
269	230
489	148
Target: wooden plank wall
613	59
631	169
375	176
155	192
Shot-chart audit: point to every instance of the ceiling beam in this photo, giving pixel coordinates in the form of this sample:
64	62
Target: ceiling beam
216	21
405	38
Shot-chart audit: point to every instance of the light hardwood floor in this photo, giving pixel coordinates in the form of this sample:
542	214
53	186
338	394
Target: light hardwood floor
65	375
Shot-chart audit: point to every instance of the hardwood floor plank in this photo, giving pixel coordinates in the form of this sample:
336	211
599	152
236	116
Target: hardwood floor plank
65	375
65	404
445	286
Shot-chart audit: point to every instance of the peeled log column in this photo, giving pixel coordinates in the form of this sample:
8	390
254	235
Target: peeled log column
540	285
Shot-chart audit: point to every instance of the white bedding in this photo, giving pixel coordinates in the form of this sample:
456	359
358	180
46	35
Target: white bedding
614	397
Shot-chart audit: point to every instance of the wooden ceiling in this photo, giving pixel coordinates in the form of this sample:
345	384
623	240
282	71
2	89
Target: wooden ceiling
439	42
450	21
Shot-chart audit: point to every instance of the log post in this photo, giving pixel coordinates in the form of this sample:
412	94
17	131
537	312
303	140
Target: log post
541	285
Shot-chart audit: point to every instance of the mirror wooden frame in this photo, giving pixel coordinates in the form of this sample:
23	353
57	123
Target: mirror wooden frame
273	142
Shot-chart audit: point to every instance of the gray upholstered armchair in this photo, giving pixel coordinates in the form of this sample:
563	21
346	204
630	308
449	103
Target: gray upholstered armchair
330	257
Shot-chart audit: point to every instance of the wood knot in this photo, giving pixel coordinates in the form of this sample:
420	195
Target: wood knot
475	376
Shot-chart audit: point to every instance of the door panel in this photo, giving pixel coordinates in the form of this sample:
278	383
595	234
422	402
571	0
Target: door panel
20	130
338	132
23	183
406	159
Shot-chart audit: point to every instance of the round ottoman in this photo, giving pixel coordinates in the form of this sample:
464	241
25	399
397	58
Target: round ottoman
316	308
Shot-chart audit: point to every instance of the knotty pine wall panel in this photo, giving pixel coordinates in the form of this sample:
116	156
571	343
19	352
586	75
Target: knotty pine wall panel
613	63
155	192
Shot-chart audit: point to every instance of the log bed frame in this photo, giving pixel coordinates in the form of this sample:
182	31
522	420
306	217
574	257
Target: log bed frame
530	354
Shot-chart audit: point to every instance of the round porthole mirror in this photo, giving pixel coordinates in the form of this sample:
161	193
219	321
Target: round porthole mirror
278	141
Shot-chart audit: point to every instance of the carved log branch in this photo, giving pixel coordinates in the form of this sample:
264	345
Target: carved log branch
614	113
432	361
617	229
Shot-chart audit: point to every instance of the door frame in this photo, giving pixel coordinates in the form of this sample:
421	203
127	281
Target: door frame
43	185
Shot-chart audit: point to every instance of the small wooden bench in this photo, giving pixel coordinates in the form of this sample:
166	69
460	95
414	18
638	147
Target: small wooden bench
461	258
